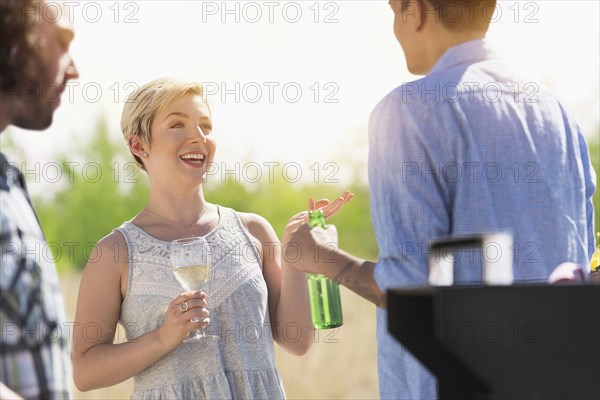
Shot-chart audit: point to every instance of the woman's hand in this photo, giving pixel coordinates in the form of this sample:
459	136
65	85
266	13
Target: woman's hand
328	208
186	313
303	243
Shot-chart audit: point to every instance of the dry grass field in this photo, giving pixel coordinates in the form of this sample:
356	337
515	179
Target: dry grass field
341	364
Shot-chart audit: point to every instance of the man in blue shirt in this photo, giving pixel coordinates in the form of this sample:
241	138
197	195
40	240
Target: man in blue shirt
469	148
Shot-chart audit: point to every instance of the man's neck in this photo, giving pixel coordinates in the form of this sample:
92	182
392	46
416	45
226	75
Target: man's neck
444	40
4	118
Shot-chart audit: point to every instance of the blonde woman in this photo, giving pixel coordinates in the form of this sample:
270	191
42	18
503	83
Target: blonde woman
167	126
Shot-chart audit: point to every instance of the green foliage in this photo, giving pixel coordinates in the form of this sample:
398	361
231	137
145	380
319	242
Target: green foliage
93	202
278	201
594	146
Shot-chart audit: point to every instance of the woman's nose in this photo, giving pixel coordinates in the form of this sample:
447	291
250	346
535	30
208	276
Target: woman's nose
199	135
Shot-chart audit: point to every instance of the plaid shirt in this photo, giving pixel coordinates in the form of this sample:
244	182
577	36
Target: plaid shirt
34	357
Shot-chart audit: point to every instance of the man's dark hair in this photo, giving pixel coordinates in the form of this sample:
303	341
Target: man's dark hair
460	15
17	48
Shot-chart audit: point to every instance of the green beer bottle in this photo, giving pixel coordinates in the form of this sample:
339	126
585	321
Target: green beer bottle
323	293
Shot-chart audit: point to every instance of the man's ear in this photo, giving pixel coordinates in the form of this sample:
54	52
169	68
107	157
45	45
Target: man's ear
414	15
420	7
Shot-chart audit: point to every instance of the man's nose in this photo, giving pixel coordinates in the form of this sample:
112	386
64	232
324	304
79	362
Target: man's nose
72	72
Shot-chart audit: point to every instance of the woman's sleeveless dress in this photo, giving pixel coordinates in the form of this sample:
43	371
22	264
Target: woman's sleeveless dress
238	365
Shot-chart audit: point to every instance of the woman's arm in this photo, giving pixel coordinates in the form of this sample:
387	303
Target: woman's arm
288	294
346	269
97	362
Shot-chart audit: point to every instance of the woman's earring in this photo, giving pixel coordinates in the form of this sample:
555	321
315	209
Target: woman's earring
145	155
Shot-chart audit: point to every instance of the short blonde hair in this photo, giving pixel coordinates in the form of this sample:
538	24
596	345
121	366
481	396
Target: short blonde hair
145	103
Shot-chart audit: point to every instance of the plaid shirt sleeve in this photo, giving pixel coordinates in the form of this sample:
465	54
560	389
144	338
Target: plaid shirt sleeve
34	357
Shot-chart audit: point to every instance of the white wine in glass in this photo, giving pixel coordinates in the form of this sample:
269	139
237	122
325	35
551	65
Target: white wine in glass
192	277
190	258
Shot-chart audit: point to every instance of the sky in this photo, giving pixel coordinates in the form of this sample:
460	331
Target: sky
294	82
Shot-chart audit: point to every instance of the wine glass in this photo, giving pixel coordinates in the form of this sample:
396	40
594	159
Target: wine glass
190	258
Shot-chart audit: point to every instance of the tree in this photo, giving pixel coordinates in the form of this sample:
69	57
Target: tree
107	188
102	192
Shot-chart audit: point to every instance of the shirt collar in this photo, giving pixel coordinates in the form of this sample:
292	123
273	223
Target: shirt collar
9	175
4	165
464	53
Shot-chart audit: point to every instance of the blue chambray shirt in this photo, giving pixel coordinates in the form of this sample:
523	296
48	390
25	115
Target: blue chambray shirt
470	148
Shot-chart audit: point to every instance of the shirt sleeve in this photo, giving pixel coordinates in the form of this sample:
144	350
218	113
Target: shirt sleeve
409	204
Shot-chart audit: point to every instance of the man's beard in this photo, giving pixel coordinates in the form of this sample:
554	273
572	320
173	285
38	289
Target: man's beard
32	111
34	104
33	115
